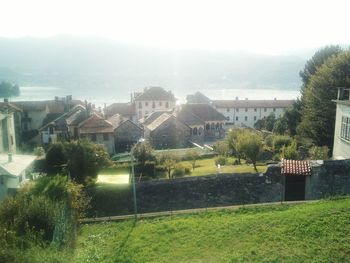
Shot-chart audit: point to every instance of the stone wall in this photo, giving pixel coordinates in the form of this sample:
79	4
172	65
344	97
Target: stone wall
327	179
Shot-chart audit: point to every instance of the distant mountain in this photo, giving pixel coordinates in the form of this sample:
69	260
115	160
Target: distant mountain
98	65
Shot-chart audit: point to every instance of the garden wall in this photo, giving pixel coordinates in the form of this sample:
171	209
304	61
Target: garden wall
327	179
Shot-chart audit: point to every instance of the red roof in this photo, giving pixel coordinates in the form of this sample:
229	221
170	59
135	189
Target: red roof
293	167
95	124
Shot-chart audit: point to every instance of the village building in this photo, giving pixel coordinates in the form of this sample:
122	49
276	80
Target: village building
14	172
341	147
207	124
126	110
64	127
10	117
167	132
247	112
152	99
98	130
126	133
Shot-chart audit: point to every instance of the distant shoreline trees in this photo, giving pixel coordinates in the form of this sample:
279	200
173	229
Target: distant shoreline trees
8	90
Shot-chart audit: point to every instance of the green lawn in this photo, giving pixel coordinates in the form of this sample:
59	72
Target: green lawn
207	166
315	232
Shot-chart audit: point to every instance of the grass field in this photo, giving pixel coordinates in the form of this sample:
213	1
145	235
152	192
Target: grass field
314	232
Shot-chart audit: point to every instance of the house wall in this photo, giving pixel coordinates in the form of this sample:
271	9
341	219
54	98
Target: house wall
341	148
126	135
252	114
146	107
100	140
171	134
8	133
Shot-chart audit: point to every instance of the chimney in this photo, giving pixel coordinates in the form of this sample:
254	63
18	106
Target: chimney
9	156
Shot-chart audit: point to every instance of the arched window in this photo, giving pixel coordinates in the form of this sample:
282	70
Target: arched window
212	126
153	105
207	127
217	126
195	131
200	131
167	104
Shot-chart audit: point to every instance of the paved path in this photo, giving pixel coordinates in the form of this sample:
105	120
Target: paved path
187	211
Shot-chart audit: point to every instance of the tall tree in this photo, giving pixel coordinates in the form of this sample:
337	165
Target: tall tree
251	146
8	90
318	110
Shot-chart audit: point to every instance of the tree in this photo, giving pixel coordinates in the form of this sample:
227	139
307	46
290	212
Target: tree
168	161
251	146
143	152
8	90
192	156
293	117
281	126
266	123
290	152
318	112
82	159
222	148
234	143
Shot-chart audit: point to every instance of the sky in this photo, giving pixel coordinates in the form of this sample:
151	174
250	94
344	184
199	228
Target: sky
260	26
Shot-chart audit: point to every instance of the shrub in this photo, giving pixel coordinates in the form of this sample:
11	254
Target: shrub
39	151
192	156
179	170
55	158
269	140
220	160
319	153
290	152
280	141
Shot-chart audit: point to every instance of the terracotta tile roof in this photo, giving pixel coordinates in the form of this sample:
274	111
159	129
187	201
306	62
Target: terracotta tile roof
155	93
188	118
116	120
153	116
293	167
253	103
96	124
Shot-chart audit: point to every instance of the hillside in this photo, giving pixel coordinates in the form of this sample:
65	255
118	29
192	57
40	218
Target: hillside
80	64
314	232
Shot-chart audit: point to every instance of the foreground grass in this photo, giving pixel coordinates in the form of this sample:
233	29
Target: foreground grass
315	232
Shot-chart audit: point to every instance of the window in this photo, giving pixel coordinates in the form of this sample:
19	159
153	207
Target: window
236	118
50	130
254	118
146	103
265	109
212	126
207	127
228	110
105	136
246	118
345	128
237	110
246	109
160	103
167	104
75	132
255	110
195	131
93	137
217	126
228	118
140	105
153	105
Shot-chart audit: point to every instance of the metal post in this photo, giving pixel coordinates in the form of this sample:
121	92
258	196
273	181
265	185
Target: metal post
133	183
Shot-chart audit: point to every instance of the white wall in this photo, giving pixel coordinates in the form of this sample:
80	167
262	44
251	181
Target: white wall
341	148
100	140
252	114
147	110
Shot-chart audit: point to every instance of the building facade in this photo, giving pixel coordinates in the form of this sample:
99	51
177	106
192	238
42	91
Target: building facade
341	147
248	112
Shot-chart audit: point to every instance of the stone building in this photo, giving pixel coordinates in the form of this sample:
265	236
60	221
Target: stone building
341	147
98	130
207	124
126	133
167	132
152	99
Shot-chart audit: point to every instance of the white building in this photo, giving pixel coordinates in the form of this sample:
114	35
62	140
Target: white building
14	172
248	112
153	99
341	147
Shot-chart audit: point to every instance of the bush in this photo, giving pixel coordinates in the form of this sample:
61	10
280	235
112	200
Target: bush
39	151
290	152
55	158
220	160
280	141
319	153
179	170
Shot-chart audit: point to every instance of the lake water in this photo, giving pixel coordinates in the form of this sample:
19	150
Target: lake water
99	98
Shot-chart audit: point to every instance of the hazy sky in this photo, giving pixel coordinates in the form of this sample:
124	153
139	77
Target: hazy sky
265	26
